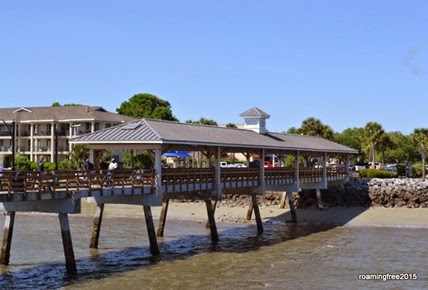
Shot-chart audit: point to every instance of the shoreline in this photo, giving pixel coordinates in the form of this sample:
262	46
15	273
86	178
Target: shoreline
338	216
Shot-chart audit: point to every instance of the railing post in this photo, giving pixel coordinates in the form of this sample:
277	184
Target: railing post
296	170
324	171
218	173
262	186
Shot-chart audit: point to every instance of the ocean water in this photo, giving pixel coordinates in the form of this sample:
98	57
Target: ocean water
285	256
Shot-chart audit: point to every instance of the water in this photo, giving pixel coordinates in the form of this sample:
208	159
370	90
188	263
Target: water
286	256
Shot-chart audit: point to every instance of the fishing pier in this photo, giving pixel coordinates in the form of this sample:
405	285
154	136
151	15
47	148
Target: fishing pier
62	192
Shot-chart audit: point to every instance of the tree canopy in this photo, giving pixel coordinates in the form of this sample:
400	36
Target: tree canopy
373	132
203	121
146	106
420	137
313	127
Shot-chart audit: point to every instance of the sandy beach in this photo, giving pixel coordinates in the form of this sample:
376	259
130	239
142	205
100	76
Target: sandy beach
340	216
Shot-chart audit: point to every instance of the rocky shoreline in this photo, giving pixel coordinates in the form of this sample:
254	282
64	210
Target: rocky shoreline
360	192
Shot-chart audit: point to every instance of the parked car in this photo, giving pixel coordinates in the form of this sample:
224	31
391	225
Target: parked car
224	164
239	165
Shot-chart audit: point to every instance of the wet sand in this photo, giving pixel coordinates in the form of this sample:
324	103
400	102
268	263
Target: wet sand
341	216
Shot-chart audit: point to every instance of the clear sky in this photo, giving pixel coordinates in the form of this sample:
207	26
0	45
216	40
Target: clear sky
345	62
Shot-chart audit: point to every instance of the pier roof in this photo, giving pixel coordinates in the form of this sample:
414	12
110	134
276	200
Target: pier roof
149	131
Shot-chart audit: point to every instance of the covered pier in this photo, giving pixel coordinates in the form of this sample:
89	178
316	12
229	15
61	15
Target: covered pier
62	192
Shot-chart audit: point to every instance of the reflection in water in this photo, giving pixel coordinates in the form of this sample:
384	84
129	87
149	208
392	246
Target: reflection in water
286	256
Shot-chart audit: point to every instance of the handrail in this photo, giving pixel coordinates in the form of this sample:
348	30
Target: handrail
173	179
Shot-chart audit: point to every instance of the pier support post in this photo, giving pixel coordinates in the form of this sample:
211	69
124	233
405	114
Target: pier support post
214	206
162	218
283	202
98	219
319	199
250	210
211	221
292	207
7	238
70	262
255	206
154	249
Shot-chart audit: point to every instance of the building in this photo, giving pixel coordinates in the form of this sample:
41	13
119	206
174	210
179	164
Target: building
39	131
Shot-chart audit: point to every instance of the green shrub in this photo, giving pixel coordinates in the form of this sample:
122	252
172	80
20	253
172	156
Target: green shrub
375	173
22	163
417	169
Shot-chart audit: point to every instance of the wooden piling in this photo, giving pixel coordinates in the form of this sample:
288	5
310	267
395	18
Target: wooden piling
214	204
162	218
250	211
7	238
255	206
98	218
292	207
154	249
283	202
211	221
319	199
70	262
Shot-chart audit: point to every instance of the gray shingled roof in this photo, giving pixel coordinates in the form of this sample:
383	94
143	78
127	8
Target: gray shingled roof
255	113
63	113
174	133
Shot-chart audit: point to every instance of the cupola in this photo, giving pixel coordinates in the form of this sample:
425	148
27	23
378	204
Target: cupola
255	119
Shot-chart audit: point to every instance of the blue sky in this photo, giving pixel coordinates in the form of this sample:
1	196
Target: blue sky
343	62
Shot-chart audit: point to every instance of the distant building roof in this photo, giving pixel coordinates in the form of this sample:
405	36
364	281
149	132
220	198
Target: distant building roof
62	114
255	113
149	131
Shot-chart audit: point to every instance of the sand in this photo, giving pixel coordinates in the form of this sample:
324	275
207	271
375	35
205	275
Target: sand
340	216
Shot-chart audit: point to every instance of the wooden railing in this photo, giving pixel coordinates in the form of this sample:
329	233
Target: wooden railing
173	179
72	180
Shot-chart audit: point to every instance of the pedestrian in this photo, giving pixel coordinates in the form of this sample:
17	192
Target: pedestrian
113	164
41	165
111	167
88	165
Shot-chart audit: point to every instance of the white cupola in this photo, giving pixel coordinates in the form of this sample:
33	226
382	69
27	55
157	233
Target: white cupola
255	119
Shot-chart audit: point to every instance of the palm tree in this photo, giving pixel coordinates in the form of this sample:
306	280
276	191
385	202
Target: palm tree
420	137
385	143
373	132
313	127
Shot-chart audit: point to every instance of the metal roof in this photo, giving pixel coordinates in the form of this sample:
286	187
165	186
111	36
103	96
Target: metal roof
255	113
149	131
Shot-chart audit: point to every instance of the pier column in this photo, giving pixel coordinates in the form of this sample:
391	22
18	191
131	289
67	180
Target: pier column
217	187
250	211
96	229
283	202
257	213
162	218
324	171
293	212
319	199
70	262
214	206
154	249
211	221
347	171
7	237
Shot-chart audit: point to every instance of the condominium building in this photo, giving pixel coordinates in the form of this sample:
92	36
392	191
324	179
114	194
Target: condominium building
44	131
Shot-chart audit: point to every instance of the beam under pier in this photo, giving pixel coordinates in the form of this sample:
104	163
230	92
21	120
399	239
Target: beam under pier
162	218
70	262
154	248
255	206
7	238
211	221
293	212
98	219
